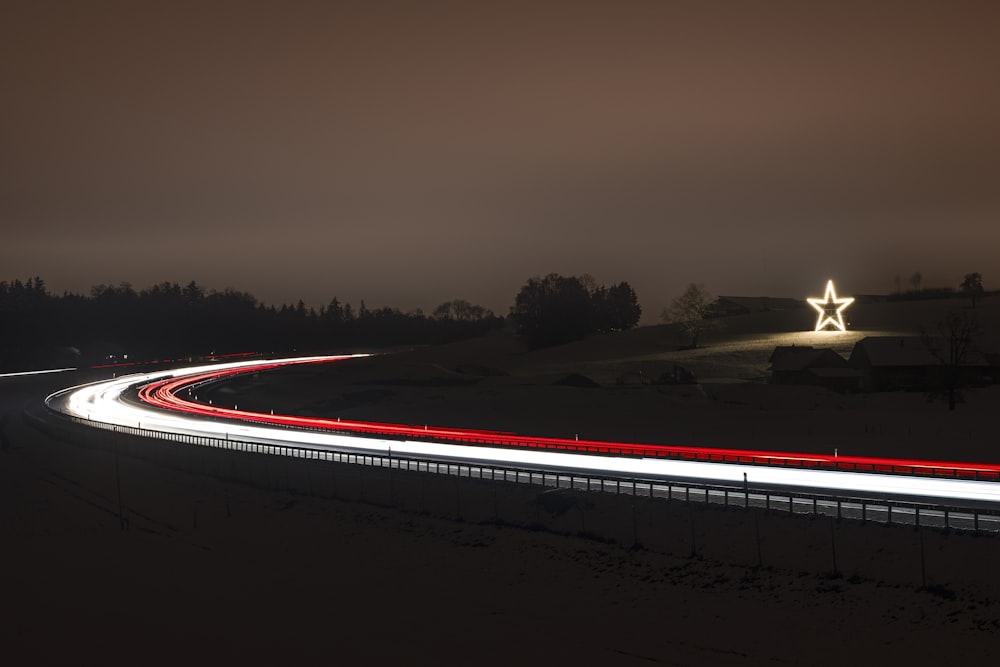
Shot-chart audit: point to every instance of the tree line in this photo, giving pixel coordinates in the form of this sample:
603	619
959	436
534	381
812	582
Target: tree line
171	320
559	309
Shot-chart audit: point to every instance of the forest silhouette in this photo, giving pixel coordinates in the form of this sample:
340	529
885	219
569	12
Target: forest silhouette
168	320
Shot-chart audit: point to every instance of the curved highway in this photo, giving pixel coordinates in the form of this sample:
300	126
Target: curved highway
152	401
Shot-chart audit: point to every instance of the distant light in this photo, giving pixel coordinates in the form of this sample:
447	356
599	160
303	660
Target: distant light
831	309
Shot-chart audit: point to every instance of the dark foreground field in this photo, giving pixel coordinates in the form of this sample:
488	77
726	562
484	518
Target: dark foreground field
256	560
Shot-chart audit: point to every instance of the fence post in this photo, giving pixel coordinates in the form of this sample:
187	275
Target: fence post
694	549
118	482
923	562
635	525
756	524
833	544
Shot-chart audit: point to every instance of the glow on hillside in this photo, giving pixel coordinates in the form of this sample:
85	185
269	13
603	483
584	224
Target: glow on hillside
831	309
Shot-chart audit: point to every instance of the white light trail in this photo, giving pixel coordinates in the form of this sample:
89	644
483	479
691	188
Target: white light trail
101	401
42	372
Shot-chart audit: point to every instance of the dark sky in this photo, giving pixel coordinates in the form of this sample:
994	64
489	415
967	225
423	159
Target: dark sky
407	153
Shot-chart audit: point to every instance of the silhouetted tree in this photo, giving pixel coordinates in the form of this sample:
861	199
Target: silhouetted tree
616	308
972	286
690	311
558	309
915	281
461	310
955	339
335	312
552	310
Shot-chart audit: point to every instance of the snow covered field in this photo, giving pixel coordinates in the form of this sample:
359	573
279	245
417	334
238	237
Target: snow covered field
261	561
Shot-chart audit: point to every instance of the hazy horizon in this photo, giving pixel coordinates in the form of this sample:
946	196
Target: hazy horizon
409	155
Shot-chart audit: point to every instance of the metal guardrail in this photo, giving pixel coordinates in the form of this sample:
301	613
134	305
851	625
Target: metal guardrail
863	509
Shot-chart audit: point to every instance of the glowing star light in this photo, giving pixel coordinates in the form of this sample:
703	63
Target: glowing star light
830	309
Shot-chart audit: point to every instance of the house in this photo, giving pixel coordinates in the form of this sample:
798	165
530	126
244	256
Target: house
907	362
804	364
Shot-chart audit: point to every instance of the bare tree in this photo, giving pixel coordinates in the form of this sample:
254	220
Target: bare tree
972	286
915	281
955	339
690	311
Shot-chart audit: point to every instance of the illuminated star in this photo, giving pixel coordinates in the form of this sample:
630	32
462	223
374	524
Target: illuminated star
830	308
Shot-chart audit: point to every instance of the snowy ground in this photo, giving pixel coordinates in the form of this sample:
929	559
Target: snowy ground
213	571
255	560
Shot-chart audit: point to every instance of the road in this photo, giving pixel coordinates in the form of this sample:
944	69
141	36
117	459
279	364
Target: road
159	408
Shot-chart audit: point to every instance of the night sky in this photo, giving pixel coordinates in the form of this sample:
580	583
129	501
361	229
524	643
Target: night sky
408	153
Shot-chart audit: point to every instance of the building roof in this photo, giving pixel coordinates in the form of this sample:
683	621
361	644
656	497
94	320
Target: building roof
903	351
836	372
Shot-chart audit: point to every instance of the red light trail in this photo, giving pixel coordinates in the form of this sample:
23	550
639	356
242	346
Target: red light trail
162	394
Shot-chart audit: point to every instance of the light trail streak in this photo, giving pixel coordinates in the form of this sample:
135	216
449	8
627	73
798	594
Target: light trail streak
42	372
102	401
